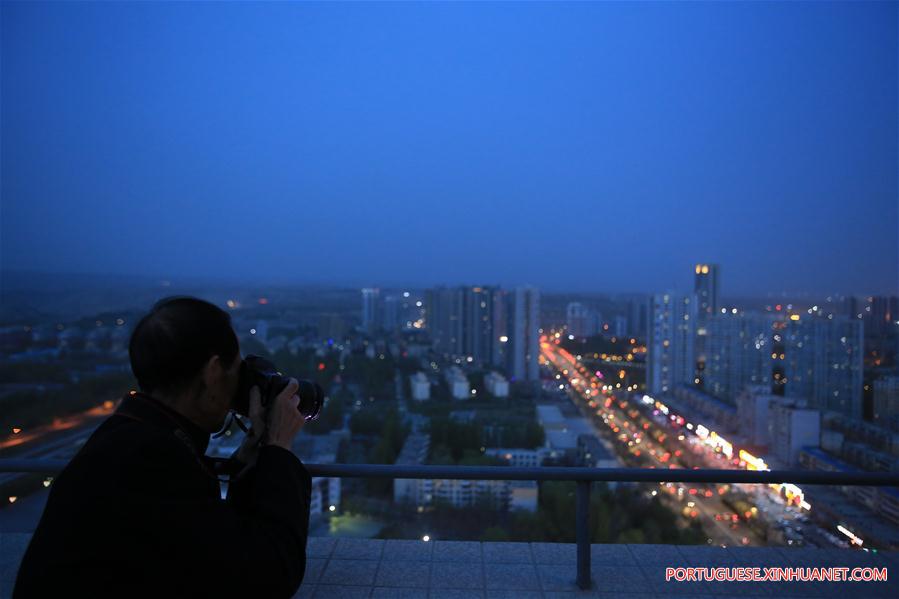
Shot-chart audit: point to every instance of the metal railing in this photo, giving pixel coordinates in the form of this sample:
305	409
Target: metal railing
584	477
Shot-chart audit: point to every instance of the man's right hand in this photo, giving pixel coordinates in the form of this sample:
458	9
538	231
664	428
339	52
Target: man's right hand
284	419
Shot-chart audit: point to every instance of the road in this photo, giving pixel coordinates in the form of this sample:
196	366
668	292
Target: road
645	441
59	440
41	434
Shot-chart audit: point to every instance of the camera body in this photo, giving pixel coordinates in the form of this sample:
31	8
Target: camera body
259	372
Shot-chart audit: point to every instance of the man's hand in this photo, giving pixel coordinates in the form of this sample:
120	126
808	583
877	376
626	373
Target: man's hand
284	420
249	449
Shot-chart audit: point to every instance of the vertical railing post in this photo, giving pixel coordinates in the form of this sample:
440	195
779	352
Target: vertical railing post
582	534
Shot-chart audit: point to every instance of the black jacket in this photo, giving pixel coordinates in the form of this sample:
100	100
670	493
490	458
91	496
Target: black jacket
138	512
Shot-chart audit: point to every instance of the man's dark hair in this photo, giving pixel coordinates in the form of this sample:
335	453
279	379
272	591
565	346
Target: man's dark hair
171	344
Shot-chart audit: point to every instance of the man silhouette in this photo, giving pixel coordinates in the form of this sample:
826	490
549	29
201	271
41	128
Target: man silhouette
139	512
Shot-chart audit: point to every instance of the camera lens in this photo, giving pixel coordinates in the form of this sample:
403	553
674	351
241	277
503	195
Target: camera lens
311	399
259	372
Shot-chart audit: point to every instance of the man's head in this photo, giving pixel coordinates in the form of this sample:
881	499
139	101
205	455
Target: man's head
185	353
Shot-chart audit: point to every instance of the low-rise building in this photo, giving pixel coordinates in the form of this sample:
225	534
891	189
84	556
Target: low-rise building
697	403
525	495
420	386
871	511
496	384
321	449
591	453
458	493
457	382
414	452
550	417
791	427
752	410
520	458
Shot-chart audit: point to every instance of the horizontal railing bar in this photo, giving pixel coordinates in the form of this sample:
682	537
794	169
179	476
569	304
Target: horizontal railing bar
603	474
545	473
32	465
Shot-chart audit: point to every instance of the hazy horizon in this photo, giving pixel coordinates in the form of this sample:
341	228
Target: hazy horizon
24	280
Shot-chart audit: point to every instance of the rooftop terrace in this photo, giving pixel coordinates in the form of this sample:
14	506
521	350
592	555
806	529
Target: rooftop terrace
460	569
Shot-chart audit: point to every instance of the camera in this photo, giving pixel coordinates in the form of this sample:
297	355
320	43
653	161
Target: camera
259	372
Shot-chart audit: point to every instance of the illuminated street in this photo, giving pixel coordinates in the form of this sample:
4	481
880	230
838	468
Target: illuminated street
649	435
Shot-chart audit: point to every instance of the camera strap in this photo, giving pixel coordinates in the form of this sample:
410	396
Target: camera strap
208	465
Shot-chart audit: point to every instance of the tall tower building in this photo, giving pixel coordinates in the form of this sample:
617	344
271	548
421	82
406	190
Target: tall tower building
581	320
411	310
487	324
638	316
739	353
478	335
524	335
852	307
501	326
823	362
370	316
391	311
705	288
444	318
671	359
881	318
886	401
881	315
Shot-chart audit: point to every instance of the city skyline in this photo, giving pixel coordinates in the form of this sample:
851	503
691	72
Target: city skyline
426	143
574	295
18	280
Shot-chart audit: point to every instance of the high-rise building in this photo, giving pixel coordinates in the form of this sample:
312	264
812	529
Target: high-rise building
486	326
411	310
881	315
822	362
467	323
391	311
479	320
581	320
705	288
738	353
619	326
370	305
638	317
501	311
523	334
851	307
671	358
886	401
444	318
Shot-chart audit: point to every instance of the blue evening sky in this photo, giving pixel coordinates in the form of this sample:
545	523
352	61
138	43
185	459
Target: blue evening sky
574	146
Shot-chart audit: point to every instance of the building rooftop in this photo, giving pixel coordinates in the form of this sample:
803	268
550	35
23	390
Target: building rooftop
348	567
550	416
837	463
707	398
854	515
596	448
415	450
